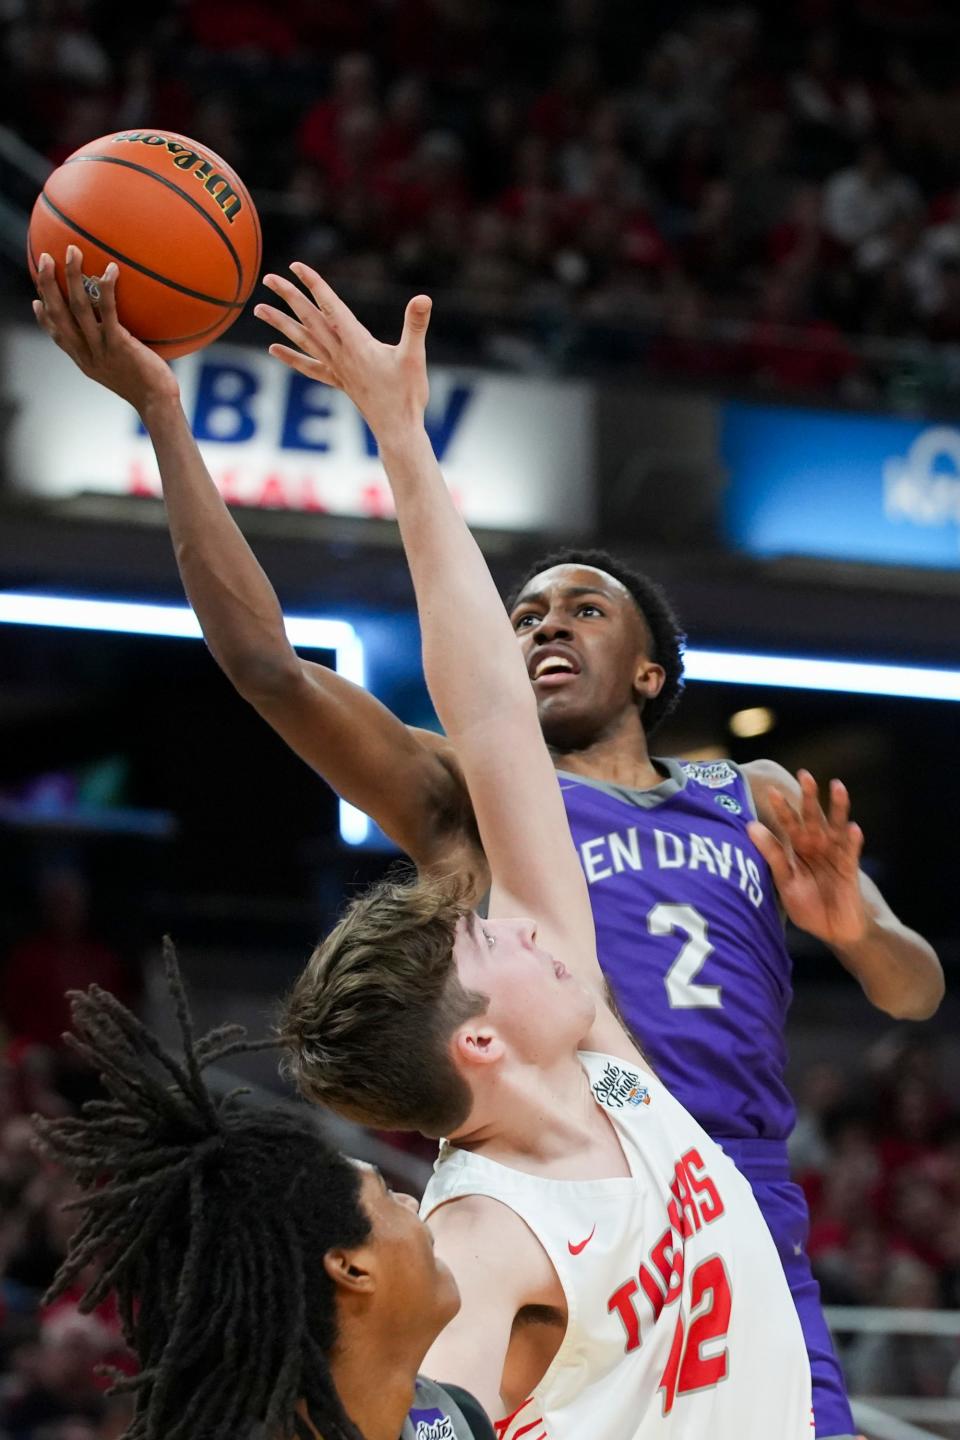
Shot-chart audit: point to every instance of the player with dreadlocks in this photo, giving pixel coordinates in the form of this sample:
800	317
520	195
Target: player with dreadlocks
262	1277
690	866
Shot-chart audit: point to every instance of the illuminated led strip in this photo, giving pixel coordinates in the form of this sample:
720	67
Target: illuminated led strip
842	677
727	667
134	617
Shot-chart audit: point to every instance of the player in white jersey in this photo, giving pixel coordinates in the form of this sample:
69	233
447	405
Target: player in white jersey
617	1277
669	1290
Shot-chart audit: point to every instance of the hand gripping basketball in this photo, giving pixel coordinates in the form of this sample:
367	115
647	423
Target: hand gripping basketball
85	327
173	215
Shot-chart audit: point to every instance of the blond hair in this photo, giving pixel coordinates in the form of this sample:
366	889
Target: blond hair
368	1025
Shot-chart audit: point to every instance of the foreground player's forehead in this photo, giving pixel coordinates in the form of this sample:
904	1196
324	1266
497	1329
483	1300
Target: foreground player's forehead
570	581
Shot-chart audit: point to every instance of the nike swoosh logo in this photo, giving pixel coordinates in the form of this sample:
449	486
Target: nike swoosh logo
575	1249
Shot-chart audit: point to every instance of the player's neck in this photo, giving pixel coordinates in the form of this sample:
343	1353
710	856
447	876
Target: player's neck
538	1119
619	756
379	1410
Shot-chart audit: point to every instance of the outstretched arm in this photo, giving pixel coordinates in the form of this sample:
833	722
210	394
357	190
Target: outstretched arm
814	857
473	664
407	780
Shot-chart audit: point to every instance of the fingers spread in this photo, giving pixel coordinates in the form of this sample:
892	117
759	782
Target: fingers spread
789	819
292	329
327	300
314	369
810	801
415	323
60	325
107	303
81	305
839	811
301	305
776	855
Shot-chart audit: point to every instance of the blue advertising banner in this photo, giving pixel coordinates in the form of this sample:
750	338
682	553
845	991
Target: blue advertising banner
845	487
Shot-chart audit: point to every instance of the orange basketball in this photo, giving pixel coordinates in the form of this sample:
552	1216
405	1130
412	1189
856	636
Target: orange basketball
177	220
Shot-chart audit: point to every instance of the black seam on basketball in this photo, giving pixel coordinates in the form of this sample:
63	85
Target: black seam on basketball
135	265
245	195
223	324
184	195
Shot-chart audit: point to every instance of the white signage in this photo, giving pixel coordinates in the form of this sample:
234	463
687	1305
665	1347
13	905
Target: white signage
915	490
517	453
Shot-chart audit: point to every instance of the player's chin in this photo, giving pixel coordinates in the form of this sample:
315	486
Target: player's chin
564	719
448	1293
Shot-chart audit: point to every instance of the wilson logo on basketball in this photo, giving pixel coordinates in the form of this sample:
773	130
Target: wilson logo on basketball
184	158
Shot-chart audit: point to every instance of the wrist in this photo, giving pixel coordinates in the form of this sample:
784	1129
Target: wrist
401	435
160	407
855	944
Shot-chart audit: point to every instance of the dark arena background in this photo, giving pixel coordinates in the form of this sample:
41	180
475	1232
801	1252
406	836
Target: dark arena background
696	282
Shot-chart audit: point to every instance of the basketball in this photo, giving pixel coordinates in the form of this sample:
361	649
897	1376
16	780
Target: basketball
178	221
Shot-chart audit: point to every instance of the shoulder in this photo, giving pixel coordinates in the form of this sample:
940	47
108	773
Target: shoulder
478	1421
494	1254
470	1222
762	776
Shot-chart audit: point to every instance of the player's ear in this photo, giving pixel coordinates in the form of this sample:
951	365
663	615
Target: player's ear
352	1270
648	678
477	1045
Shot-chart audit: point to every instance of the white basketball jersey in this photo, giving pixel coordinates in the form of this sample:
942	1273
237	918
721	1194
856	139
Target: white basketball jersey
680	1323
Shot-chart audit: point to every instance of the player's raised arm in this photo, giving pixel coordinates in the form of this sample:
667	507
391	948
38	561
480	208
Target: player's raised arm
814	856
472	661
407	780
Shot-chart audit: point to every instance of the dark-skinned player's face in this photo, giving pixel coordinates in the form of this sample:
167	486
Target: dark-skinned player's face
587	650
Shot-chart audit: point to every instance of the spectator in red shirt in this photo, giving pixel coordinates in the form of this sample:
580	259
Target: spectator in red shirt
63	954
354	87
790	349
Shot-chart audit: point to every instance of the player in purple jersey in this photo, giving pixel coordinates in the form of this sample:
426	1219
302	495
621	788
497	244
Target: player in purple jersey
690	866
682	878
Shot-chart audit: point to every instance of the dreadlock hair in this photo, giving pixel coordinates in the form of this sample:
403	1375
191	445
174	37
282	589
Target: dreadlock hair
666	634
210	1218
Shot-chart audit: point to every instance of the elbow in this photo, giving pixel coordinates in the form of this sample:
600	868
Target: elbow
920	1001
262	679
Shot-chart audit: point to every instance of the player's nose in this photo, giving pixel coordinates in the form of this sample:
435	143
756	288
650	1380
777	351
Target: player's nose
552	626
408	1202
527	929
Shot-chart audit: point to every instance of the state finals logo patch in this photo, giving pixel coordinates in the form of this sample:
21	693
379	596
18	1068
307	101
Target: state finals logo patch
432	1425
619	1086
712	773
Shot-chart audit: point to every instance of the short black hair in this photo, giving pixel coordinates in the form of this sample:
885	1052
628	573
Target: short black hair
210	1218
666	633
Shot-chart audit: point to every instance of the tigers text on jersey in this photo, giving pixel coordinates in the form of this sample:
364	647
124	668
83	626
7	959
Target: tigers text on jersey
690	938
680	1323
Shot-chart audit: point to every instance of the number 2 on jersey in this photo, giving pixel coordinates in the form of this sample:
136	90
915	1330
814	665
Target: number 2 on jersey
682	992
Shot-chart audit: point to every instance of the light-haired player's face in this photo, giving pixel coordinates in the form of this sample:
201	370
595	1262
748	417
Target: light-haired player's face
536	1006
584	642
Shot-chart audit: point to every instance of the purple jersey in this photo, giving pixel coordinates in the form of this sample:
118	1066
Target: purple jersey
691	939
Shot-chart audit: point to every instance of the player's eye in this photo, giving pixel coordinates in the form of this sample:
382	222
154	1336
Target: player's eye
525	621
490	939
589	608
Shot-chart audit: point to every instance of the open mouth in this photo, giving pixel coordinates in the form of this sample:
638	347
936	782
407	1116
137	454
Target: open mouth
551	667
560	970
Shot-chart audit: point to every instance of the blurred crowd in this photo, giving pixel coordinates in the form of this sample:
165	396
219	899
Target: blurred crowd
50	1356
877	1150
878	1154
724	193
